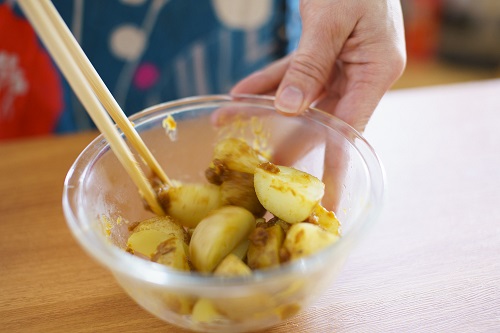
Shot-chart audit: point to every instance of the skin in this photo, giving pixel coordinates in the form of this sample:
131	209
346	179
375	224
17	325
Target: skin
349	55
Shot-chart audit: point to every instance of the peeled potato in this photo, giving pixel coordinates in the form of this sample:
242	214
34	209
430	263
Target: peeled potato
287	193
173	253
160	223
232	167
231	265
145	242
264	247
326	219
204	311
237	155
248	305
218	234
241	249
304	239
148	234
190	203
237	189
177	302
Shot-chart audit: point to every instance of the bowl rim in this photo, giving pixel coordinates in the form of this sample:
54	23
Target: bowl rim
119	261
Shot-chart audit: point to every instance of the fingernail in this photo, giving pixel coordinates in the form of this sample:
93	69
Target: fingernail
290	100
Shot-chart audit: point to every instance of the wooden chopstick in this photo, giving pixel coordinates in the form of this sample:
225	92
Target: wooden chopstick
102	91
51	35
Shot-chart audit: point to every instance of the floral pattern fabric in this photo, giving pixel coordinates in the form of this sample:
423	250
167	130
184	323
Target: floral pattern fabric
146	51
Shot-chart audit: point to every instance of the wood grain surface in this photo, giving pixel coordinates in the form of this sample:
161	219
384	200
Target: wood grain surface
430	264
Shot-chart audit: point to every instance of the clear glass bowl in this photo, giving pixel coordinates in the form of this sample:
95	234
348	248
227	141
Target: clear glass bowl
100	200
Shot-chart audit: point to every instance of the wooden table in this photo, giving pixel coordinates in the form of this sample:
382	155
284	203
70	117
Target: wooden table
432	263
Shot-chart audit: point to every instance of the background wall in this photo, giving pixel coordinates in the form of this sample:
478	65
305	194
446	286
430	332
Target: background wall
451	41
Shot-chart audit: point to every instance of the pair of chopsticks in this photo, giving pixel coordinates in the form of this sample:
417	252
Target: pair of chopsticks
94	95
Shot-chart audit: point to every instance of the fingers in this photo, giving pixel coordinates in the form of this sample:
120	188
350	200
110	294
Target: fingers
372	59
355	106
349	55
357	100
323	35
336	160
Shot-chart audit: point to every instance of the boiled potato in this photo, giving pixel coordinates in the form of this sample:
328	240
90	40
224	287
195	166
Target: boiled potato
326	219
253	304
218	234
204	311
148	234
241	249
304	239
237	189
145	242
287	193
237	155
179	303
264	247
190	203
232	167
231	265
173	253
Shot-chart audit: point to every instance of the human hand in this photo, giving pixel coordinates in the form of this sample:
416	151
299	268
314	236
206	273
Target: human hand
349	55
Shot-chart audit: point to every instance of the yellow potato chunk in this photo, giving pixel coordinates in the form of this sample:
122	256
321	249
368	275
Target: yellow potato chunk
219	234
232	266
287	193
190	203
148	234
237	155
237	189
204	311
173	253
304	239
264	247
326	219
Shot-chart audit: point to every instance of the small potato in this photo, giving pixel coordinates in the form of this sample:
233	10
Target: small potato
204	311
287	193
256	304
241	249
304	239
325	219
264	247
275	220
173	253
218	234
190	203
179	303
164	224
237	155
145	242
148	234
237	189
231	265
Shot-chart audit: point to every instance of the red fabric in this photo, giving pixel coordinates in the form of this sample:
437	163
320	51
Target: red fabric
422	24
31	95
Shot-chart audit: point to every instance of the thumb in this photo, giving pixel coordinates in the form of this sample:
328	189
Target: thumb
311	65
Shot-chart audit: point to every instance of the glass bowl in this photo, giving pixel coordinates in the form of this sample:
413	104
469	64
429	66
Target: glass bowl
100	202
